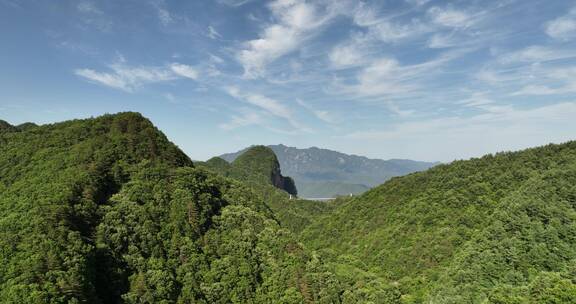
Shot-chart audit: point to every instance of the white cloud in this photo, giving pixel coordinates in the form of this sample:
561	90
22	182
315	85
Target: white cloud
535	53
297	21
383	29
502	129
324	116
267	104
365	15
87	7
234	3
382	77
92	16
244	120
213	33
386	77
538	90
184	70
216	59
164	16
320	114
171	98
349	55
390	32
554	81
439	41
563	27
418	2
449	17
129	78
126	78
270	105
478	99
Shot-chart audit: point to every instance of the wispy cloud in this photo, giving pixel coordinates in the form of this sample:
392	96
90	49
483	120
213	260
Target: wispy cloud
93	16
536	53
388	77
126	78
270	105
130	78
184	70
296	21
418	2
234	3
507	128
267	104
553	81
247	119
165	17
450	17
348	55
88	7
323	115
384	28
213	33
563	27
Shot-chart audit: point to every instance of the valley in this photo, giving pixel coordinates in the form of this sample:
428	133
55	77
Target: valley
108	210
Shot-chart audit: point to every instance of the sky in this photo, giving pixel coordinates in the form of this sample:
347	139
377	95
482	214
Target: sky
412	79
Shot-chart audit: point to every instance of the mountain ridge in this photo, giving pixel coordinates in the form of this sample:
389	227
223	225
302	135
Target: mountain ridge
494	229
316	171
108	210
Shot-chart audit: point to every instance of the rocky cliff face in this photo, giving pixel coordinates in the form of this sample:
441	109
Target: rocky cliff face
325	173
285	183
257	164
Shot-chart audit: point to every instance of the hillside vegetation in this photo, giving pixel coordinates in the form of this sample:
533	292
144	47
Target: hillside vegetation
258	168
107	210
498	229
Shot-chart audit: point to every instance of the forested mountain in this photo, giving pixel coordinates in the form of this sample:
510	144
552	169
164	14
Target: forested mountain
498	229
325	173
26	126
107	210
6	127
257	165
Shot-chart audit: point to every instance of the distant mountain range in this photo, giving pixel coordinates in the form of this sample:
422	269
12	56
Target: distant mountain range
323	173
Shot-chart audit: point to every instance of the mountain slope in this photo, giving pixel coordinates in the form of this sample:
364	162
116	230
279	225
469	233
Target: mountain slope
26	126
501	229
260	163
107	210
258	168
316	171
257	165
6	127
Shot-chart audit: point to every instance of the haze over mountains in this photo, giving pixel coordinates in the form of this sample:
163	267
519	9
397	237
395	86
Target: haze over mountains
323	173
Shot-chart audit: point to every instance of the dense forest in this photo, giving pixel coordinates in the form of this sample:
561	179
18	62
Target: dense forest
107	210
498	229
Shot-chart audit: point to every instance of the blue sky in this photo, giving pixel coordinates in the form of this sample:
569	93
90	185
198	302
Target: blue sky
420	79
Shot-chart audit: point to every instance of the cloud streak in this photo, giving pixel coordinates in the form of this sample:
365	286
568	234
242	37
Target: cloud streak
130	78
503	130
